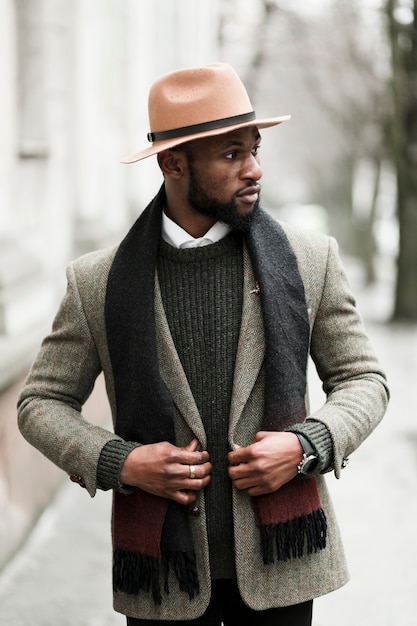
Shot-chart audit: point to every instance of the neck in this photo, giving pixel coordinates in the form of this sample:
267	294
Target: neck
195	224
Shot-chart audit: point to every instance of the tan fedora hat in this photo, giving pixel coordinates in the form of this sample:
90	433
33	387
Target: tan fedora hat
197	102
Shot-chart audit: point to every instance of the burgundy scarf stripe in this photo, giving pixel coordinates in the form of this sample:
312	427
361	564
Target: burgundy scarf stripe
138	521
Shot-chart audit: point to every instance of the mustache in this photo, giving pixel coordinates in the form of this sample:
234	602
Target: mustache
253	186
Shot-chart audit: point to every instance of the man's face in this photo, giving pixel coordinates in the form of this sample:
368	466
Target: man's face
224	174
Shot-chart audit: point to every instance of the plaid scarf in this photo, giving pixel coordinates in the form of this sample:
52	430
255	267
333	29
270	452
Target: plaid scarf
151	534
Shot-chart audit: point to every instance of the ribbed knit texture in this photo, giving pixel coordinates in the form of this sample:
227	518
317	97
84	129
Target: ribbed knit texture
202	294
320	438
110	463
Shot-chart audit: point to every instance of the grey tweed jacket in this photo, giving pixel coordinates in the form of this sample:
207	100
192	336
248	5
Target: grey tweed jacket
76	352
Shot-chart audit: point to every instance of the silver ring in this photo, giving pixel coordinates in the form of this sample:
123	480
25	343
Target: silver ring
192	471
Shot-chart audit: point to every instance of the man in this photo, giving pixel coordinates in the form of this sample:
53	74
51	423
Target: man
202	321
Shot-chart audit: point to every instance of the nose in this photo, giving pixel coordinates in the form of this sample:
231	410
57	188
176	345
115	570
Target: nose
252	169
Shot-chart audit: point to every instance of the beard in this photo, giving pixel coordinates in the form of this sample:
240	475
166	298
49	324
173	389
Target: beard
226	212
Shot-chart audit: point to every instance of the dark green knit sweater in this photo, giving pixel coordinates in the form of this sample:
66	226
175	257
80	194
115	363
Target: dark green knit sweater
202	295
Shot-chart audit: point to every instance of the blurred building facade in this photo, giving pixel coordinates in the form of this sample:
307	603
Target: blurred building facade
75	77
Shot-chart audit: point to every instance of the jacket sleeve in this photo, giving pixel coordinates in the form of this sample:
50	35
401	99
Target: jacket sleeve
353	380
60	380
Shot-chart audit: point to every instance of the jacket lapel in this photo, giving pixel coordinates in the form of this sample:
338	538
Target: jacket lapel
251	348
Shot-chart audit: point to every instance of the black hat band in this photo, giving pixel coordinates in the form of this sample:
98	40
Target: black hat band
198	128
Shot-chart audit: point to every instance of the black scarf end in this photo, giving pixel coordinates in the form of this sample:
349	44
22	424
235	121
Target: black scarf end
294	538
185	567
134	572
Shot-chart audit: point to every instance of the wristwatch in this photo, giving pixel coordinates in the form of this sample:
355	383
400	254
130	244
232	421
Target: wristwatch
310	458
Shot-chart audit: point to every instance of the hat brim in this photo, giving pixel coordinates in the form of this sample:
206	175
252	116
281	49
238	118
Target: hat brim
165	144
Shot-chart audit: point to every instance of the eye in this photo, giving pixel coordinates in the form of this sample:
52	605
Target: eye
231	155
256	149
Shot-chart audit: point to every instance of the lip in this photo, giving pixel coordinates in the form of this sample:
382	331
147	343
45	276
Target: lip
249	194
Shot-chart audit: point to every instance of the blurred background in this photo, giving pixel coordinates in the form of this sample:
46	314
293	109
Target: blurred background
74	82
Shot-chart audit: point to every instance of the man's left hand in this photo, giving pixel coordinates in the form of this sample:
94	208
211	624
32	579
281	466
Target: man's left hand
267	463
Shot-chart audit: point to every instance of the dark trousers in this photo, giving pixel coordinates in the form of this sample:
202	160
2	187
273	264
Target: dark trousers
227	607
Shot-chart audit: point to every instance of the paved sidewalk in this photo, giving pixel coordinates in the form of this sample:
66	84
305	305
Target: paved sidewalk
376	504
62	577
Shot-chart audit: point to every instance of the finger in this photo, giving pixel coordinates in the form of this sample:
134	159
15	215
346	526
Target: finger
184	497
195	456
257	491
196	484
192	446
243	484
195	471
192	471
190	455
238	456
237	472
261	434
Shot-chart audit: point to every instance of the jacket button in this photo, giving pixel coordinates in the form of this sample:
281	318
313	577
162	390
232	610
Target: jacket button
78	480
194	511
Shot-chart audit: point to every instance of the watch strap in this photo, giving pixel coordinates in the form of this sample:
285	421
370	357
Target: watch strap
308	449
309	461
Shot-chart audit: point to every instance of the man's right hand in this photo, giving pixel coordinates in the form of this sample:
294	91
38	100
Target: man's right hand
164	470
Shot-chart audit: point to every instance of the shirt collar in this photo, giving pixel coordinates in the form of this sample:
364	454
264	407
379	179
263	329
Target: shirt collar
179	238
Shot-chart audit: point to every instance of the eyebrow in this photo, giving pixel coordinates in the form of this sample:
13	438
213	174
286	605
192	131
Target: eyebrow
236	142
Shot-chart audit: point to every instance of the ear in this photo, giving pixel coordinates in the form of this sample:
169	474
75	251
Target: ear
172	163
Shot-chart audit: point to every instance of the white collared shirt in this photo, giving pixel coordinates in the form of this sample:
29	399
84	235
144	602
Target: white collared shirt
179	238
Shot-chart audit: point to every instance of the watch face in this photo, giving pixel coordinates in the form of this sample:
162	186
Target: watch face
308	464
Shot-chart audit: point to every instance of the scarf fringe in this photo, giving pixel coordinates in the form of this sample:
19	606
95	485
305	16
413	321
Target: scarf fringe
185	568
291	538
134	572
